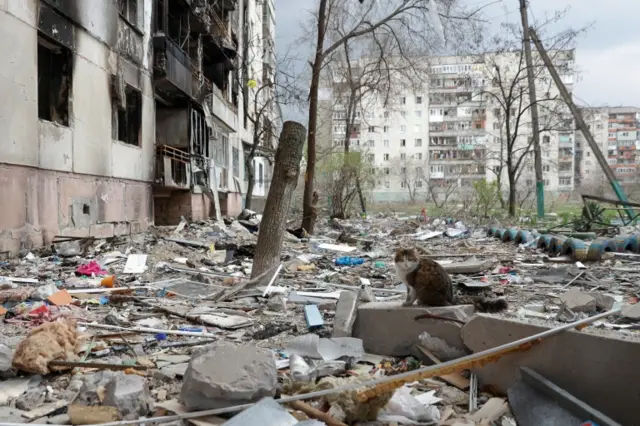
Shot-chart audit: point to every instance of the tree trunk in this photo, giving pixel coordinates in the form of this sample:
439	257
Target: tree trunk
308	209
251	172
276	209
512	194
363	203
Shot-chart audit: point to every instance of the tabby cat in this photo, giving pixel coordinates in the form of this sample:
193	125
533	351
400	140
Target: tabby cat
429	284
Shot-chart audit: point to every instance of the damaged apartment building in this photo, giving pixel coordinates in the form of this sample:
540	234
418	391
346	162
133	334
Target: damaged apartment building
119	114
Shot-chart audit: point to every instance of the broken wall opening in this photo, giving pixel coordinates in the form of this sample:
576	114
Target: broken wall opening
55	67
127	119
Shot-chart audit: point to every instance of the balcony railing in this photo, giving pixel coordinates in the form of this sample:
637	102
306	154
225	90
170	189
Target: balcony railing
173	167
220	30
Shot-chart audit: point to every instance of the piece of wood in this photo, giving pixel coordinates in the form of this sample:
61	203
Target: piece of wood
60	298
92	415
276	210
225	294
99	365
456	379
315	413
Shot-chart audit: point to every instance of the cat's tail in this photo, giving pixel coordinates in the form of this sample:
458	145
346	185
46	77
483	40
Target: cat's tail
490	306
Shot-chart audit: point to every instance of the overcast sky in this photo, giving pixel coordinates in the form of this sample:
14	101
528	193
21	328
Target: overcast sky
608	56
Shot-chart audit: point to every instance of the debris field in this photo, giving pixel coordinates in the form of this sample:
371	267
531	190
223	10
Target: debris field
168	325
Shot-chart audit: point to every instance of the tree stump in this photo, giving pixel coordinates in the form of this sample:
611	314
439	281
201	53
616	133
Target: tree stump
283	184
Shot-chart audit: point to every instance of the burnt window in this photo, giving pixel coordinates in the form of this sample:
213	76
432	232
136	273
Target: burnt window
54	81
129	118
129	10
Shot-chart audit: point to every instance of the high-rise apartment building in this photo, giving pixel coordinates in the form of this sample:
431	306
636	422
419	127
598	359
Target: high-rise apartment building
615	130
122	114
455	127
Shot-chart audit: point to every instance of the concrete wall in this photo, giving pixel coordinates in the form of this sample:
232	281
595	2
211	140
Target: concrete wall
38	204
49	171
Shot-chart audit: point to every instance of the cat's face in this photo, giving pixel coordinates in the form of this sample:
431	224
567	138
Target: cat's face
406	259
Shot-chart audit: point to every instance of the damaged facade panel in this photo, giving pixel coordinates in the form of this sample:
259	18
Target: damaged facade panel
71	124
193	58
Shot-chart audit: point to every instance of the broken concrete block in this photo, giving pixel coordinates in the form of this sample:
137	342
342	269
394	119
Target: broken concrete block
345	314
631	311
578	301
129	394
32	398
277	303
604	302
389	328
572	369
224	374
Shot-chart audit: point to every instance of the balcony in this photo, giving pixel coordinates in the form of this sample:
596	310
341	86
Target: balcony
565	141
223	110
461	132
173	168
436	175
175	78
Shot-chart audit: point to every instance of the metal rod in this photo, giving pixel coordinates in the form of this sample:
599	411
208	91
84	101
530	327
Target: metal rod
535	124
615	184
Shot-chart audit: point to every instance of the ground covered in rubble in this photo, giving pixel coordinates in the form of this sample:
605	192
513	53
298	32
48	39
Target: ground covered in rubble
169	322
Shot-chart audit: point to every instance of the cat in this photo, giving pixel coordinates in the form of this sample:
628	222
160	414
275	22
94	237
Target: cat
429	284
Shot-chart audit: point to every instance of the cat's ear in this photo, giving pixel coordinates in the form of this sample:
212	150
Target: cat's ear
398	251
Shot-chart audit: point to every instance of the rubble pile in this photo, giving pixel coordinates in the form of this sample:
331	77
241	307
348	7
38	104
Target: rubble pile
169	323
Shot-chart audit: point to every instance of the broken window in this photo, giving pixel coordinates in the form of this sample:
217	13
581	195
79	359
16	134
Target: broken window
54	81
129	10
128	119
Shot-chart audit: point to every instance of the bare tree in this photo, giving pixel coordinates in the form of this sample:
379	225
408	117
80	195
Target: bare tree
441	190
411	174
507	97
285	179
400	23
362	78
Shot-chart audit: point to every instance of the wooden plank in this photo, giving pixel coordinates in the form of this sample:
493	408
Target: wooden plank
456	379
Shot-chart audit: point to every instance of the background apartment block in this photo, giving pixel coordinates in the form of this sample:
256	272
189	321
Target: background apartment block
449	132
616	133
120	113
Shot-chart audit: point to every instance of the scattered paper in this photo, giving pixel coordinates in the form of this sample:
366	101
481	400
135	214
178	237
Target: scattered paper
136	264
312	346
336	247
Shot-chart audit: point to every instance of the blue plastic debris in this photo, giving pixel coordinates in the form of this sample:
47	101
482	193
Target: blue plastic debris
192	329
313	316
349	261
161	336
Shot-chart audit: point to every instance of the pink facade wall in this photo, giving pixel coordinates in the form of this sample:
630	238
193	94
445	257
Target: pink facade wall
194	207
38	204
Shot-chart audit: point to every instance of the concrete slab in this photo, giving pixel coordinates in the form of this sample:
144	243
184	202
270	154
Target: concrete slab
388	328
601	371
345	314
